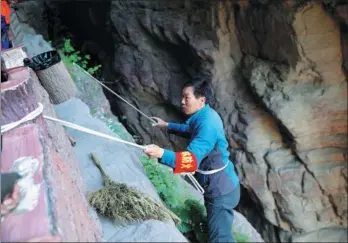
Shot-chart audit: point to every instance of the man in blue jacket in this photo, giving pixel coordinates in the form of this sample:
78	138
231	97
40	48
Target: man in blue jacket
207	156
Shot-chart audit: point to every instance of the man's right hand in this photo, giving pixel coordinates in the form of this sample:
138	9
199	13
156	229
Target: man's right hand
160	123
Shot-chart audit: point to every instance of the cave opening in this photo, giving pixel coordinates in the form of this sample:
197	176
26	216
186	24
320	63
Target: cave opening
87	26
82	22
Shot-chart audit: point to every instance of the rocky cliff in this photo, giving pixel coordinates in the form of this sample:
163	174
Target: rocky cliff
279	72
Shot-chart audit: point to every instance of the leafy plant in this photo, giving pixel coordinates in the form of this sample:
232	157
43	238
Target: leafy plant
70	55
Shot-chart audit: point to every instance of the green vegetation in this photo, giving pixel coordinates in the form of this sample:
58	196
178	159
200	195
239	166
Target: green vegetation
191	212
89	93
115	126
239	237
70	55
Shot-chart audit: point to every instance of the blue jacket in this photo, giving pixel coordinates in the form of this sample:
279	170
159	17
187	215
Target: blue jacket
210	147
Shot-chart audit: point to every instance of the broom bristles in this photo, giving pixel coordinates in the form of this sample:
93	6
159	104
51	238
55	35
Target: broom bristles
120	202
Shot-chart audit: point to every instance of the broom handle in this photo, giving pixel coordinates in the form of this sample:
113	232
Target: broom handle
97	163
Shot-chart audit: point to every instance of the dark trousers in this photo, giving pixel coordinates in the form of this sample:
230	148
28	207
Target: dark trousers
220	216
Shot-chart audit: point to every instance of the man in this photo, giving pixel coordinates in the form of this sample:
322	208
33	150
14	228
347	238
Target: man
207	155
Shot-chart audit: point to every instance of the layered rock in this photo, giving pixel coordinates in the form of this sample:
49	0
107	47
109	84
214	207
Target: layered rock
280	86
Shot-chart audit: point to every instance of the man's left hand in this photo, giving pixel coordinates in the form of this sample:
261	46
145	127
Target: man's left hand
154	151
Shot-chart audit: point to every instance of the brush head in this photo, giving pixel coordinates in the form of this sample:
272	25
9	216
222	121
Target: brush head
120	202
123	203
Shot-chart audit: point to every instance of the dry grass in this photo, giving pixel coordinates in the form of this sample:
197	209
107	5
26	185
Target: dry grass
120	202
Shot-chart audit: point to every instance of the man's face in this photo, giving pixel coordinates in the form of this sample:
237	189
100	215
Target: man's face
189	103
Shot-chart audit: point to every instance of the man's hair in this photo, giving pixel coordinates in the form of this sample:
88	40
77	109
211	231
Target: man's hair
201	88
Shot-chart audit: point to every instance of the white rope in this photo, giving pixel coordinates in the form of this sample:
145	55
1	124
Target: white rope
152	120
195	182
190	176
90	131
99	134
212	171
32	115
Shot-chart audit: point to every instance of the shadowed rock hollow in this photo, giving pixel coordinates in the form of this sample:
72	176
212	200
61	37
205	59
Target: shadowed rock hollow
278	71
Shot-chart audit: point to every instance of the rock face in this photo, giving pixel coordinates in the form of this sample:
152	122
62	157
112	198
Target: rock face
280	85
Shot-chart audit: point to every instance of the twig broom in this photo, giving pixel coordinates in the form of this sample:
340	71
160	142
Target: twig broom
120	202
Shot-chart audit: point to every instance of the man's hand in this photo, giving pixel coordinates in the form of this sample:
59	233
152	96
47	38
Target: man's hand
153	151
10	201
160	123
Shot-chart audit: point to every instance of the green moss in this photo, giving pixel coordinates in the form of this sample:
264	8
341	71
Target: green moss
115	126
